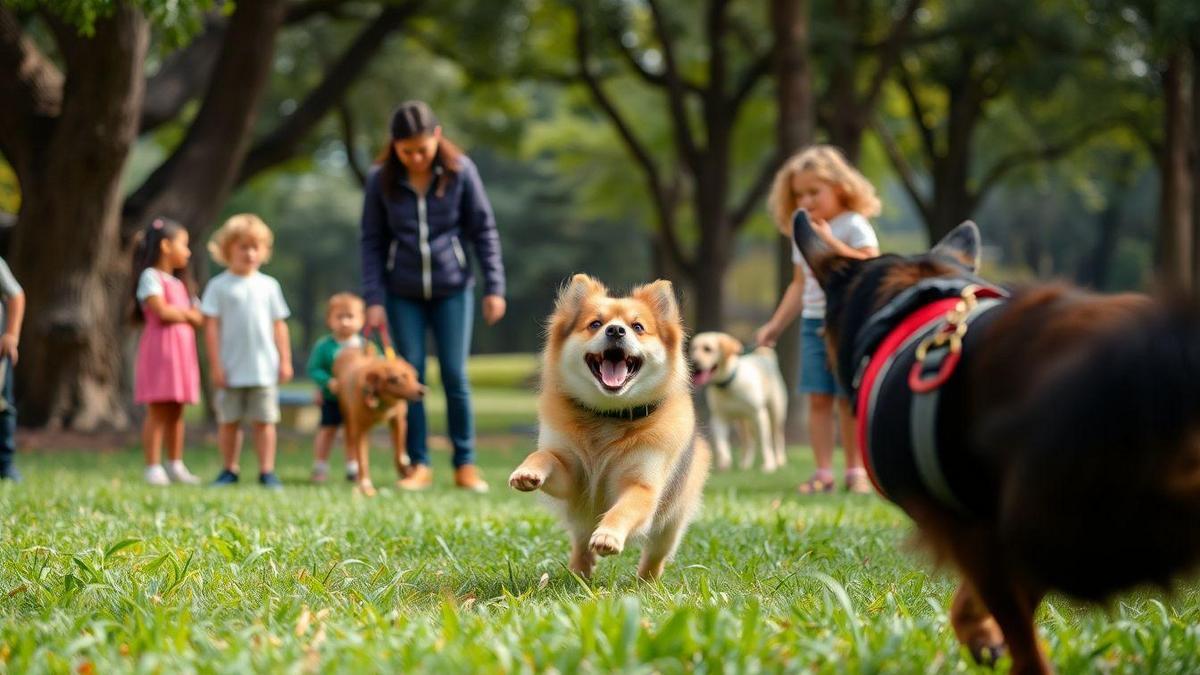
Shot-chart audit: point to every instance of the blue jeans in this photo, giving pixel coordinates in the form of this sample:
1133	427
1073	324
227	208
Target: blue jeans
8	421
451	319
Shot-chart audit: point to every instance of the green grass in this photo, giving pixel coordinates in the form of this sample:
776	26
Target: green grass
97	570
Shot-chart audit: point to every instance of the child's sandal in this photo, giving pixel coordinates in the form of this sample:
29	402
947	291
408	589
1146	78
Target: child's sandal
815	485
859	484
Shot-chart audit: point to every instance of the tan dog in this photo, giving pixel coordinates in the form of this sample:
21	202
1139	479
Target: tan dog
741	388
617	450
371	389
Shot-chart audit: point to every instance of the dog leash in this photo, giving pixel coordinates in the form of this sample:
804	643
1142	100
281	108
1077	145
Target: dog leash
385	339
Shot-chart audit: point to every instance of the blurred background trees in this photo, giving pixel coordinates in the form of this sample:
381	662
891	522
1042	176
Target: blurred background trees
625	138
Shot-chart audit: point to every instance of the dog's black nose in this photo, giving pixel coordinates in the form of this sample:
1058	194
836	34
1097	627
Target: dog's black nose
615	332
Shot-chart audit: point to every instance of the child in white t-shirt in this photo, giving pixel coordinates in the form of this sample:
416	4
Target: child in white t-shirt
839	200
249	350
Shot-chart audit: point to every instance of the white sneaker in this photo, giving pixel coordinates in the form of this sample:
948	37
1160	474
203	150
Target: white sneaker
178	473
157	476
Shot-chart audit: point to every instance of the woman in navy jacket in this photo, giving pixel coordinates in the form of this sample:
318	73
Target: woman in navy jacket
424	206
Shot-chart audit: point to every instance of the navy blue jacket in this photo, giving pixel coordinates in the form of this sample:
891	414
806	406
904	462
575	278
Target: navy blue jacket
413	246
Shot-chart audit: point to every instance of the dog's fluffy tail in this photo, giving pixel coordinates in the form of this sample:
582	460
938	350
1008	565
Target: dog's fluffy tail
1104	491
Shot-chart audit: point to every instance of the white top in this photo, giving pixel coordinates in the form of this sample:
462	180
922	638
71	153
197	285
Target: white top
853	230
149	284
248	307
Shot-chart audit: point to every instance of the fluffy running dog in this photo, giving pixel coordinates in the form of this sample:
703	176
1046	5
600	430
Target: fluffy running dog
1046	441
617	450
741	388
371	389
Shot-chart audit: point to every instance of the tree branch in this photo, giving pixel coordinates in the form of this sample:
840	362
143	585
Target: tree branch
760	67
183	76
757	190
282	143
31	87
346	117
1045	153
635	62
658	192
302	11
918	114
194	181
908	176
676	93
889	53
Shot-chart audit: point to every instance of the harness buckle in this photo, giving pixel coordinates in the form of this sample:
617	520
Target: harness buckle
948	337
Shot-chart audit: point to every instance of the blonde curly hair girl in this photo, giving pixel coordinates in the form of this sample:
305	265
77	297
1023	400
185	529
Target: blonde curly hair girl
829	165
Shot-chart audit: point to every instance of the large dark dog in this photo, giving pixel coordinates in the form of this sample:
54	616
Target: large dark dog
1045	441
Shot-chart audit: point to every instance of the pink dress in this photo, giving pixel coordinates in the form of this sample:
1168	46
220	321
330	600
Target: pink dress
167	370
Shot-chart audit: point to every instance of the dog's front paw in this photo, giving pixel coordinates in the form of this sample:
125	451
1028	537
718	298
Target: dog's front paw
987	653
606	542
526	480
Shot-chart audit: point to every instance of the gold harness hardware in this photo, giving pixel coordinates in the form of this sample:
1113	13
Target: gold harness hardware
955	327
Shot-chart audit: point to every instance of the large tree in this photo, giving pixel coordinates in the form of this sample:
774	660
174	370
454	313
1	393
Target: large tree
67	127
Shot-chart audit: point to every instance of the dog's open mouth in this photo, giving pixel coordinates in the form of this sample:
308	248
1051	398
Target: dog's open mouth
613	368
701	377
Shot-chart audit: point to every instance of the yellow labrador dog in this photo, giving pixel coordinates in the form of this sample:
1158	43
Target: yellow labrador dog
745	388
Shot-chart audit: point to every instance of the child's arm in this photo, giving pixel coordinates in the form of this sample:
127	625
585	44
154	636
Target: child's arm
212	343
825	232
283	343
171	314
789	307
12	331
318	370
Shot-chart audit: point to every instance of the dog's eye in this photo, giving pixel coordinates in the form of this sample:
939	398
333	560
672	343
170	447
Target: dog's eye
638	328
706	348
595	325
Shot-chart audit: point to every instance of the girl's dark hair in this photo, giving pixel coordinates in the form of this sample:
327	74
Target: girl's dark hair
147	247
414	118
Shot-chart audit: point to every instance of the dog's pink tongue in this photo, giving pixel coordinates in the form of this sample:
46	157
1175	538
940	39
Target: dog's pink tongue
613	372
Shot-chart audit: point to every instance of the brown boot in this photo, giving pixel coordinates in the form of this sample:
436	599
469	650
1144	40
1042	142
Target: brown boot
419	477
467	477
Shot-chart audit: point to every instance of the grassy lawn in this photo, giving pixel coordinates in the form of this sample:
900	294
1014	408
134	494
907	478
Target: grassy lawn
97	570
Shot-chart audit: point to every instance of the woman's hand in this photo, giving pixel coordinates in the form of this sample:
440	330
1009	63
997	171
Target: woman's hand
766	336
8	347
285	372
494	307
376	316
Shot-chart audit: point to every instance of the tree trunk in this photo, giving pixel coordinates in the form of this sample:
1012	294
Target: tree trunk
794	129
1173	252
66	249
716	239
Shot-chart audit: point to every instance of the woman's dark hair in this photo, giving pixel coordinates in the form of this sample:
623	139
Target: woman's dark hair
414	118
147	247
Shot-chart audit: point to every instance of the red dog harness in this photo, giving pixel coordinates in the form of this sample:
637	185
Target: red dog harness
902	412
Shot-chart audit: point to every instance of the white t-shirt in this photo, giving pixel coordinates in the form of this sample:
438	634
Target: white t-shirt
853	230
149	285
248	308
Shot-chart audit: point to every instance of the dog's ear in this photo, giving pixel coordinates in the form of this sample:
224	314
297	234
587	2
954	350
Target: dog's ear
962	244
730	346
372	379
820	259
660	295
569	303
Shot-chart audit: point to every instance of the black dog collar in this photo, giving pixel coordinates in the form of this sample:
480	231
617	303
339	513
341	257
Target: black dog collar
729	380
633	414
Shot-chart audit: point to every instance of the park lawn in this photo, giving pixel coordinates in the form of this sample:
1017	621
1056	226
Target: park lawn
99	571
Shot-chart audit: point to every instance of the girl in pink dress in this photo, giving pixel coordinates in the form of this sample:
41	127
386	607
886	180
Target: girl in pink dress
167	373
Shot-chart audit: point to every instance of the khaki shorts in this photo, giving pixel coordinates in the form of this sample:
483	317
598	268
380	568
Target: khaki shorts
248	404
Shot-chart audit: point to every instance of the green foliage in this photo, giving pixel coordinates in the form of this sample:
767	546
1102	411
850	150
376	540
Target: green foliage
98	571
176	20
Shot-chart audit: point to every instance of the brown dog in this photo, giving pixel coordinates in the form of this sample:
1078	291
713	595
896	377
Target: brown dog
617	450
371	389
1043	441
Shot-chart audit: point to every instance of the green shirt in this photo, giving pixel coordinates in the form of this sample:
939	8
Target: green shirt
320	362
